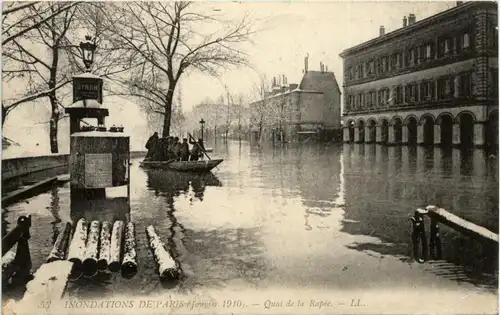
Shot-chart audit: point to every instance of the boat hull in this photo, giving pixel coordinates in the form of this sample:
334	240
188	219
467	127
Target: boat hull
184	166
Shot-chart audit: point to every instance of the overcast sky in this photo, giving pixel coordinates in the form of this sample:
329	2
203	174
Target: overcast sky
289	31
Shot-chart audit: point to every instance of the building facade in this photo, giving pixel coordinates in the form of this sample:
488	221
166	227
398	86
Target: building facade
433	82
290	112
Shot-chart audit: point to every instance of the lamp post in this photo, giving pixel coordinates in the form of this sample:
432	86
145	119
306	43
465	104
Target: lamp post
202	123
88	48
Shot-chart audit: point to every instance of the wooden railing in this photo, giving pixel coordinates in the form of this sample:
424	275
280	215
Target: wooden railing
16	265
422	250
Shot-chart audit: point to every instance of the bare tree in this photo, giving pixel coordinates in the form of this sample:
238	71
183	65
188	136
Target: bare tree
171	38
21	22
260	107
18	18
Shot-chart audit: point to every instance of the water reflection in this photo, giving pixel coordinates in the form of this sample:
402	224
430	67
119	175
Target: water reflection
453	179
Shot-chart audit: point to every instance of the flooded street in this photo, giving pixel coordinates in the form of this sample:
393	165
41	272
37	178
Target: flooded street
311	217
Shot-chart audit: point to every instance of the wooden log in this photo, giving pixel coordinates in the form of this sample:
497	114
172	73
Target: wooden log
167	267
60	247
76	252
116	245
129	264
105	242
89	265
461	225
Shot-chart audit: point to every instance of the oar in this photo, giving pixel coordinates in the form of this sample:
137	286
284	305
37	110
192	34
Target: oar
199	146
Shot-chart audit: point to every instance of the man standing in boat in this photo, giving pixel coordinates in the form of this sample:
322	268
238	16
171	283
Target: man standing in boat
184	150
197	150
150	144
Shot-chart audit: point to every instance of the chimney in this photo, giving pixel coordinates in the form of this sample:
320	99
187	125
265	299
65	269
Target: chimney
411	19
404	21
284	80
306	63
382	30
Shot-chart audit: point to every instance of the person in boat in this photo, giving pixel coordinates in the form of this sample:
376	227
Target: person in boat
197	150
149	145
184	150
177	148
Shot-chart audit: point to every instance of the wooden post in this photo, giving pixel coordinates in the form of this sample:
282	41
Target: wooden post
129	264
89	265
116	245
104	252
435	241
167	267
61	245
419	239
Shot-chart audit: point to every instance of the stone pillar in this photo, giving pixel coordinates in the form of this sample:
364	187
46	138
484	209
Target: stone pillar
390	139
392	96
479	134
456	134
437	134
368	134
356	134
404	138
345	134
420	133
456	88
378	134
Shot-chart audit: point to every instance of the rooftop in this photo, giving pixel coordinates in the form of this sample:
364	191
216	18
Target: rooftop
417	25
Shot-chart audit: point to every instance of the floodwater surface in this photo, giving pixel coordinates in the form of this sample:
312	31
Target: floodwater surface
310	217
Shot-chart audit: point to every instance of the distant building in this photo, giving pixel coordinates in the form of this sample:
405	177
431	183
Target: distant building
290	112
434	81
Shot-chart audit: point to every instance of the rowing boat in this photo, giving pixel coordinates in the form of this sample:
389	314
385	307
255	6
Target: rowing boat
183	166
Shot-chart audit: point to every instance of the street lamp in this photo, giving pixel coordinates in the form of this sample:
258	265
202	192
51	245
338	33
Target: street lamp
88	48
202	123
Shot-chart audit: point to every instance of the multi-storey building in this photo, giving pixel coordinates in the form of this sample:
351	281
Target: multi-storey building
434	81
290	111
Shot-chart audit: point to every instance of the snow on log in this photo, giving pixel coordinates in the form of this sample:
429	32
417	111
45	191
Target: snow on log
48	284
8	266
76	251
60	247
116	245
102	263
461	224
89	265
167	267
129	264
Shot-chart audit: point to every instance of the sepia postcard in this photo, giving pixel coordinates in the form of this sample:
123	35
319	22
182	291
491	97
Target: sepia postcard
251	157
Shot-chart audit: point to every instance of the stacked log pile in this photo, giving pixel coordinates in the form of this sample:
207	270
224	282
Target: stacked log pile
97	248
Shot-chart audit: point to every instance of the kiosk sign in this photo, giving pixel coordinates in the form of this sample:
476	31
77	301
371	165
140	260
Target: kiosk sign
87	88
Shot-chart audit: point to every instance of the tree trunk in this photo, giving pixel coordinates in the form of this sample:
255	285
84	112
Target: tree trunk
167	117
54	120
